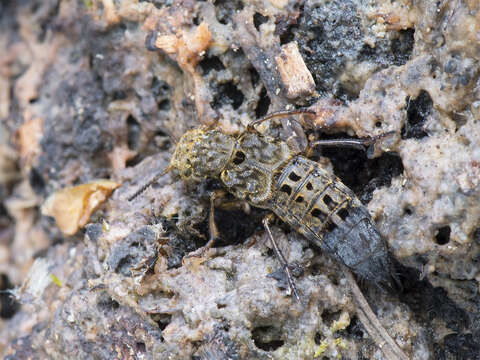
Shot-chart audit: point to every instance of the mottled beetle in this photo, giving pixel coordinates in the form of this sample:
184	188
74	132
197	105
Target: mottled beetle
268	174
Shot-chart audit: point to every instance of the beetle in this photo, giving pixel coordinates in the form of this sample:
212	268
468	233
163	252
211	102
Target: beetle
268	173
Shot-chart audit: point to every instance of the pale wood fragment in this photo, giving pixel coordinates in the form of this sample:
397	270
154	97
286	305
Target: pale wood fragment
296	77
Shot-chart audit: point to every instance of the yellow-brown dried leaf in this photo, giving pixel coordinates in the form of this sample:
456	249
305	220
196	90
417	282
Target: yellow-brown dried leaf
72	207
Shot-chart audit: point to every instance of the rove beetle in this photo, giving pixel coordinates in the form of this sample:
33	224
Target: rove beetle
267	173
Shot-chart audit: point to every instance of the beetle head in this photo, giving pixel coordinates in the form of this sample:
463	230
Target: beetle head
202	153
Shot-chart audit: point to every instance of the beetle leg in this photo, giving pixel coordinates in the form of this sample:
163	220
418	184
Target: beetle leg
281	258
361	144
230	205
354	143
212	229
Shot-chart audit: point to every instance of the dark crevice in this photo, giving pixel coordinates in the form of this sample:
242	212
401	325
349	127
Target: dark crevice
36	181
234	225
263	104
408	210
402	47
267	338
210	63
358	172
328	317
380	173
442	235
226	9
134	161
476	236
367	51
286	35
270	252
164	105
417	112
162	320
318	338
254	76
160	88
141	347
258	20
354	330
342	93
134	129
285	26
161	92
8	305
428	302
228	94
196	20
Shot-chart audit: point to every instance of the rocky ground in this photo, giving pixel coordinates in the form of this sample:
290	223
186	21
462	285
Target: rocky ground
100	89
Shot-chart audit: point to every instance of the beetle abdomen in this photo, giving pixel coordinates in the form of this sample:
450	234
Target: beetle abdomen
325	211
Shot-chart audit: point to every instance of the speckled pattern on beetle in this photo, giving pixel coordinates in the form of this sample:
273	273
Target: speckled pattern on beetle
268	174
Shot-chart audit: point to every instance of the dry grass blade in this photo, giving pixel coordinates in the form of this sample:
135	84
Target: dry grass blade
371	323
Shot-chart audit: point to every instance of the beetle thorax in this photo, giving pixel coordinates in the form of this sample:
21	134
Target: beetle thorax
202	154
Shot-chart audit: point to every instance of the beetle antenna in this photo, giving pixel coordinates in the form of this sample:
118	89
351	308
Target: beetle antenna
148	184
280	114
170	135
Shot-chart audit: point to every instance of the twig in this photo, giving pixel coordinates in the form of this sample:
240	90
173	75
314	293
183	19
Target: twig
371	323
